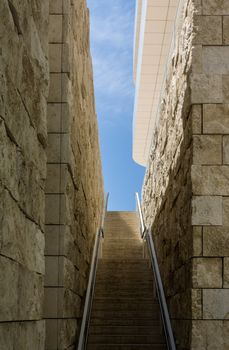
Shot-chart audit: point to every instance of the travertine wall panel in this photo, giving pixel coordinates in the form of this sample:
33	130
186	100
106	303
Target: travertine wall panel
23	137
185	193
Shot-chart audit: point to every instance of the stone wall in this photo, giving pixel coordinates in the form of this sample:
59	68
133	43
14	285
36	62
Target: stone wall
74	186
23	137
185	192
51	187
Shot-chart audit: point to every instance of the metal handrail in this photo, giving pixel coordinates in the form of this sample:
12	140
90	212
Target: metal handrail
146	235
139	209
91	281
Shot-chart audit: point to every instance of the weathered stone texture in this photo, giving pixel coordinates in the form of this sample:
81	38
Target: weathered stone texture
167	188
207	273
23	138
22	335
186	186
74	186
210	335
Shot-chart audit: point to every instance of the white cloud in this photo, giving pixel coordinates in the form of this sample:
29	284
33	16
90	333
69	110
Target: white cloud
111	42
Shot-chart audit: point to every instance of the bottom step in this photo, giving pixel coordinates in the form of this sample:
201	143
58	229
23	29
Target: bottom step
126	347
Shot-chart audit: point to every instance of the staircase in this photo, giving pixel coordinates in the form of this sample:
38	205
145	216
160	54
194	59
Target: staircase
125	314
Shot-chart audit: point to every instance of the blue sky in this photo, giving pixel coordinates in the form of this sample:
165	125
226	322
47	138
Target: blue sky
112	33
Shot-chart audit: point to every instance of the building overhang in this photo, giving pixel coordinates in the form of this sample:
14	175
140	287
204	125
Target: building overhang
154	23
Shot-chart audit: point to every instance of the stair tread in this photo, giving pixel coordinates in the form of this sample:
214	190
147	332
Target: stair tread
125	315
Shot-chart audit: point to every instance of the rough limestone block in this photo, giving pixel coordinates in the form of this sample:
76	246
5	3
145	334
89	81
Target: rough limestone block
215	7
8	162
55	55
207	273
208	30
207	149
210	180
216	59
206	88
215	119
21	292
22	335
23	133
68	329
226	273
226	30
30	295
209	335
207	210
8	289
197	240
216	304
215	241
196	116
55	28
21	239
226	150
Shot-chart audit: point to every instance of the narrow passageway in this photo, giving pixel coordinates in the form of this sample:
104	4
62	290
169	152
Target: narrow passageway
125	314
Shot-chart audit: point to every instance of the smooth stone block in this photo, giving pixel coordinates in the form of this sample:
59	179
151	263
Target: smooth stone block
207	210
216	304
215	119
207	273
207	149
216	241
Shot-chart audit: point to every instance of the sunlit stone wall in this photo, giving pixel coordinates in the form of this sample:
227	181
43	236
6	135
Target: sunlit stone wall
23	139
51	186
74	185
186	187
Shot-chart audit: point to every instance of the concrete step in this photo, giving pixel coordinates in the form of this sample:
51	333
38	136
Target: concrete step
125	314
126	339
127	322
122	243
144	305
109	314
126	347
136	280
124	284
124	263
117	330
120	254
122	294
